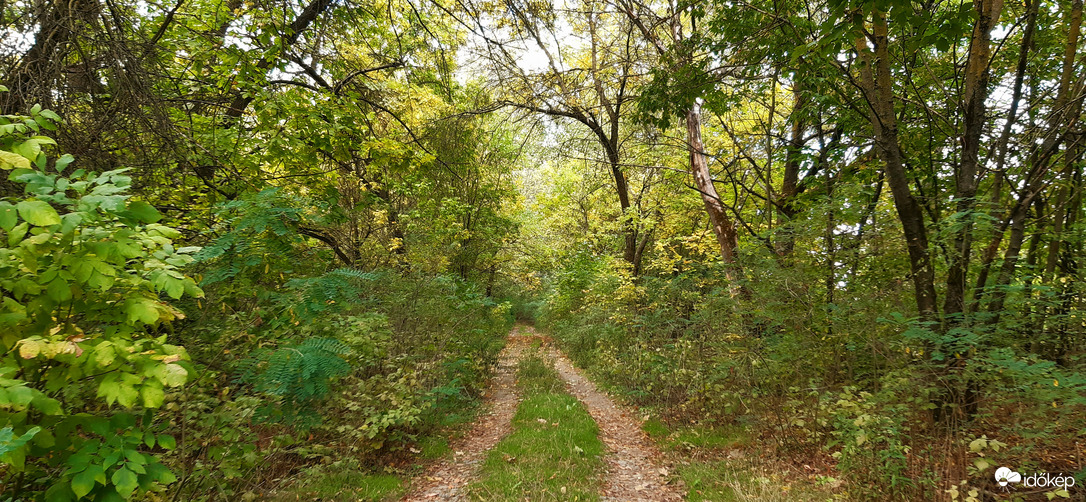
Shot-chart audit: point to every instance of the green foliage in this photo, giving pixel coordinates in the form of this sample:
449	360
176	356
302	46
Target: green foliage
871	440
348	363
296	376
261	231
115	465
343	481
811	378
84	268
371	234
221	447
325	363
10	442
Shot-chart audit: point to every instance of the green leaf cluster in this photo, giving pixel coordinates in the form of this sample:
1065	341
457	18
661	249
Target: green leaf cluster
85	269
296	377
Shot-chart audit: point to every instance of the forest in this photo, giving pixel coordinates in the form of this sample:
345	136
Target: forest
276	249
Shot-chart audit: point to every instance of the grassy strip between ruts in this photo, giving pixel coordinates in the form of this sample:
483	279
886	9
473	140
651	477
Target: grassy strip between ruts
553	453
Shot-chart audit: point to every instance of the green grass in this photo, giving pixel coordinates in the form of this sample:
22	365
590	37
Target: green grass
688	438
343	483
656	429
553	452
435	443
744	481
709	473
715	438
431	447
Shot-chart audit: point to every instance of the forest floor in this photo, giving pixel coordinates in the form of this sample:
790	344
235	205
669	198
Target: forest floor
634	467
446	479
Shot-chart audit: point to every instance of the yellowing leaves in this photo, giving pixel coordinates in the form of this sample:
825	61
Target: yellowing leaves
171	375
421	105
35	346
149	311
29	348
9	160
38	213
152	394
104	354
380	217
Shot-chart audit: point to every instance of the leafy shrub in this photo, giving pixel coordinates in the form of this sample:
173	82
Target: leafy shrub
872	444
81	316
328	363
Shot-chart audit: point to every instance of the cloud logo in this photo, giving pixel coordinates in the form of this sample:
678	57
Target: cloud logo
1005	475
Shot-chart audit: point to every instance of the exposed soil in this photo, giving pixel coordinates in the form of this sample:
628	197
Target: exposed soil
446	480
634	469
634	465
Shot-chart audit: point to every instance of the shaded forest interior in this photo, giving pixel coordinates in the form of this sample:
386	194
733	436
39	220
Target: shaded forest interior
250	248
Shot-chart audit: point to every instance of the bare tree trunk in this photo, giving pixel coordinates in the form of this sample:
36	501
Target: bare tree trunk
1001	149
1073	247
622	188
1064	116
790	184
1070	49
723	228
967	179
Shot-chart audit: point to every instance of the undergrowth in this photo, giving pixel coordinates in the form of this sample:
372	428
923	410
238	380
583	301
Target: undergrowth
853	398
323	382
725	464
343	481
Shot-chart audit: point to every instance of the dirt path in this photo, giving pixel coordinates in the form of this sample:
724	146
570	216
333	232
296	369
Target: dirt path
633	472
633	469
446	480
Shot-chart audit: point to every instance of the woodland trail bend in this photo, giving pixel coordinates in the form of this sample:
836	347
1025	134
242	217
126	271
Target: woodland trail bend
633	470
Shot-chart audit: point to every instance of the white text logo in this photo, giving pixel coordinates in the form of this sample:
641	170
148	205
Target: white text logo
1005	476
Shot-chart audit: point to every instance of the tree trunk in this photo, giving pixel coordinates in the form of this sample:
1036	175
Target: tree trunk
966	176
1062	118
878	86
723	228
629	226
786	208
1059	211
32	80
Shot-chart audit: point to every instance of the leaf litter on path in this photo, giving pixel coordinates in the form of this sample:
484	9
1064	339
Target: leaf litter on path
633	470
445	480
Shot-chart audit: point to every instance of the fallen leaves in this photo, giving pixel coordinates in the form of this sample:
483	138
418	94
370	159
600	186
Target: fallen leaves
445	480
632	474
